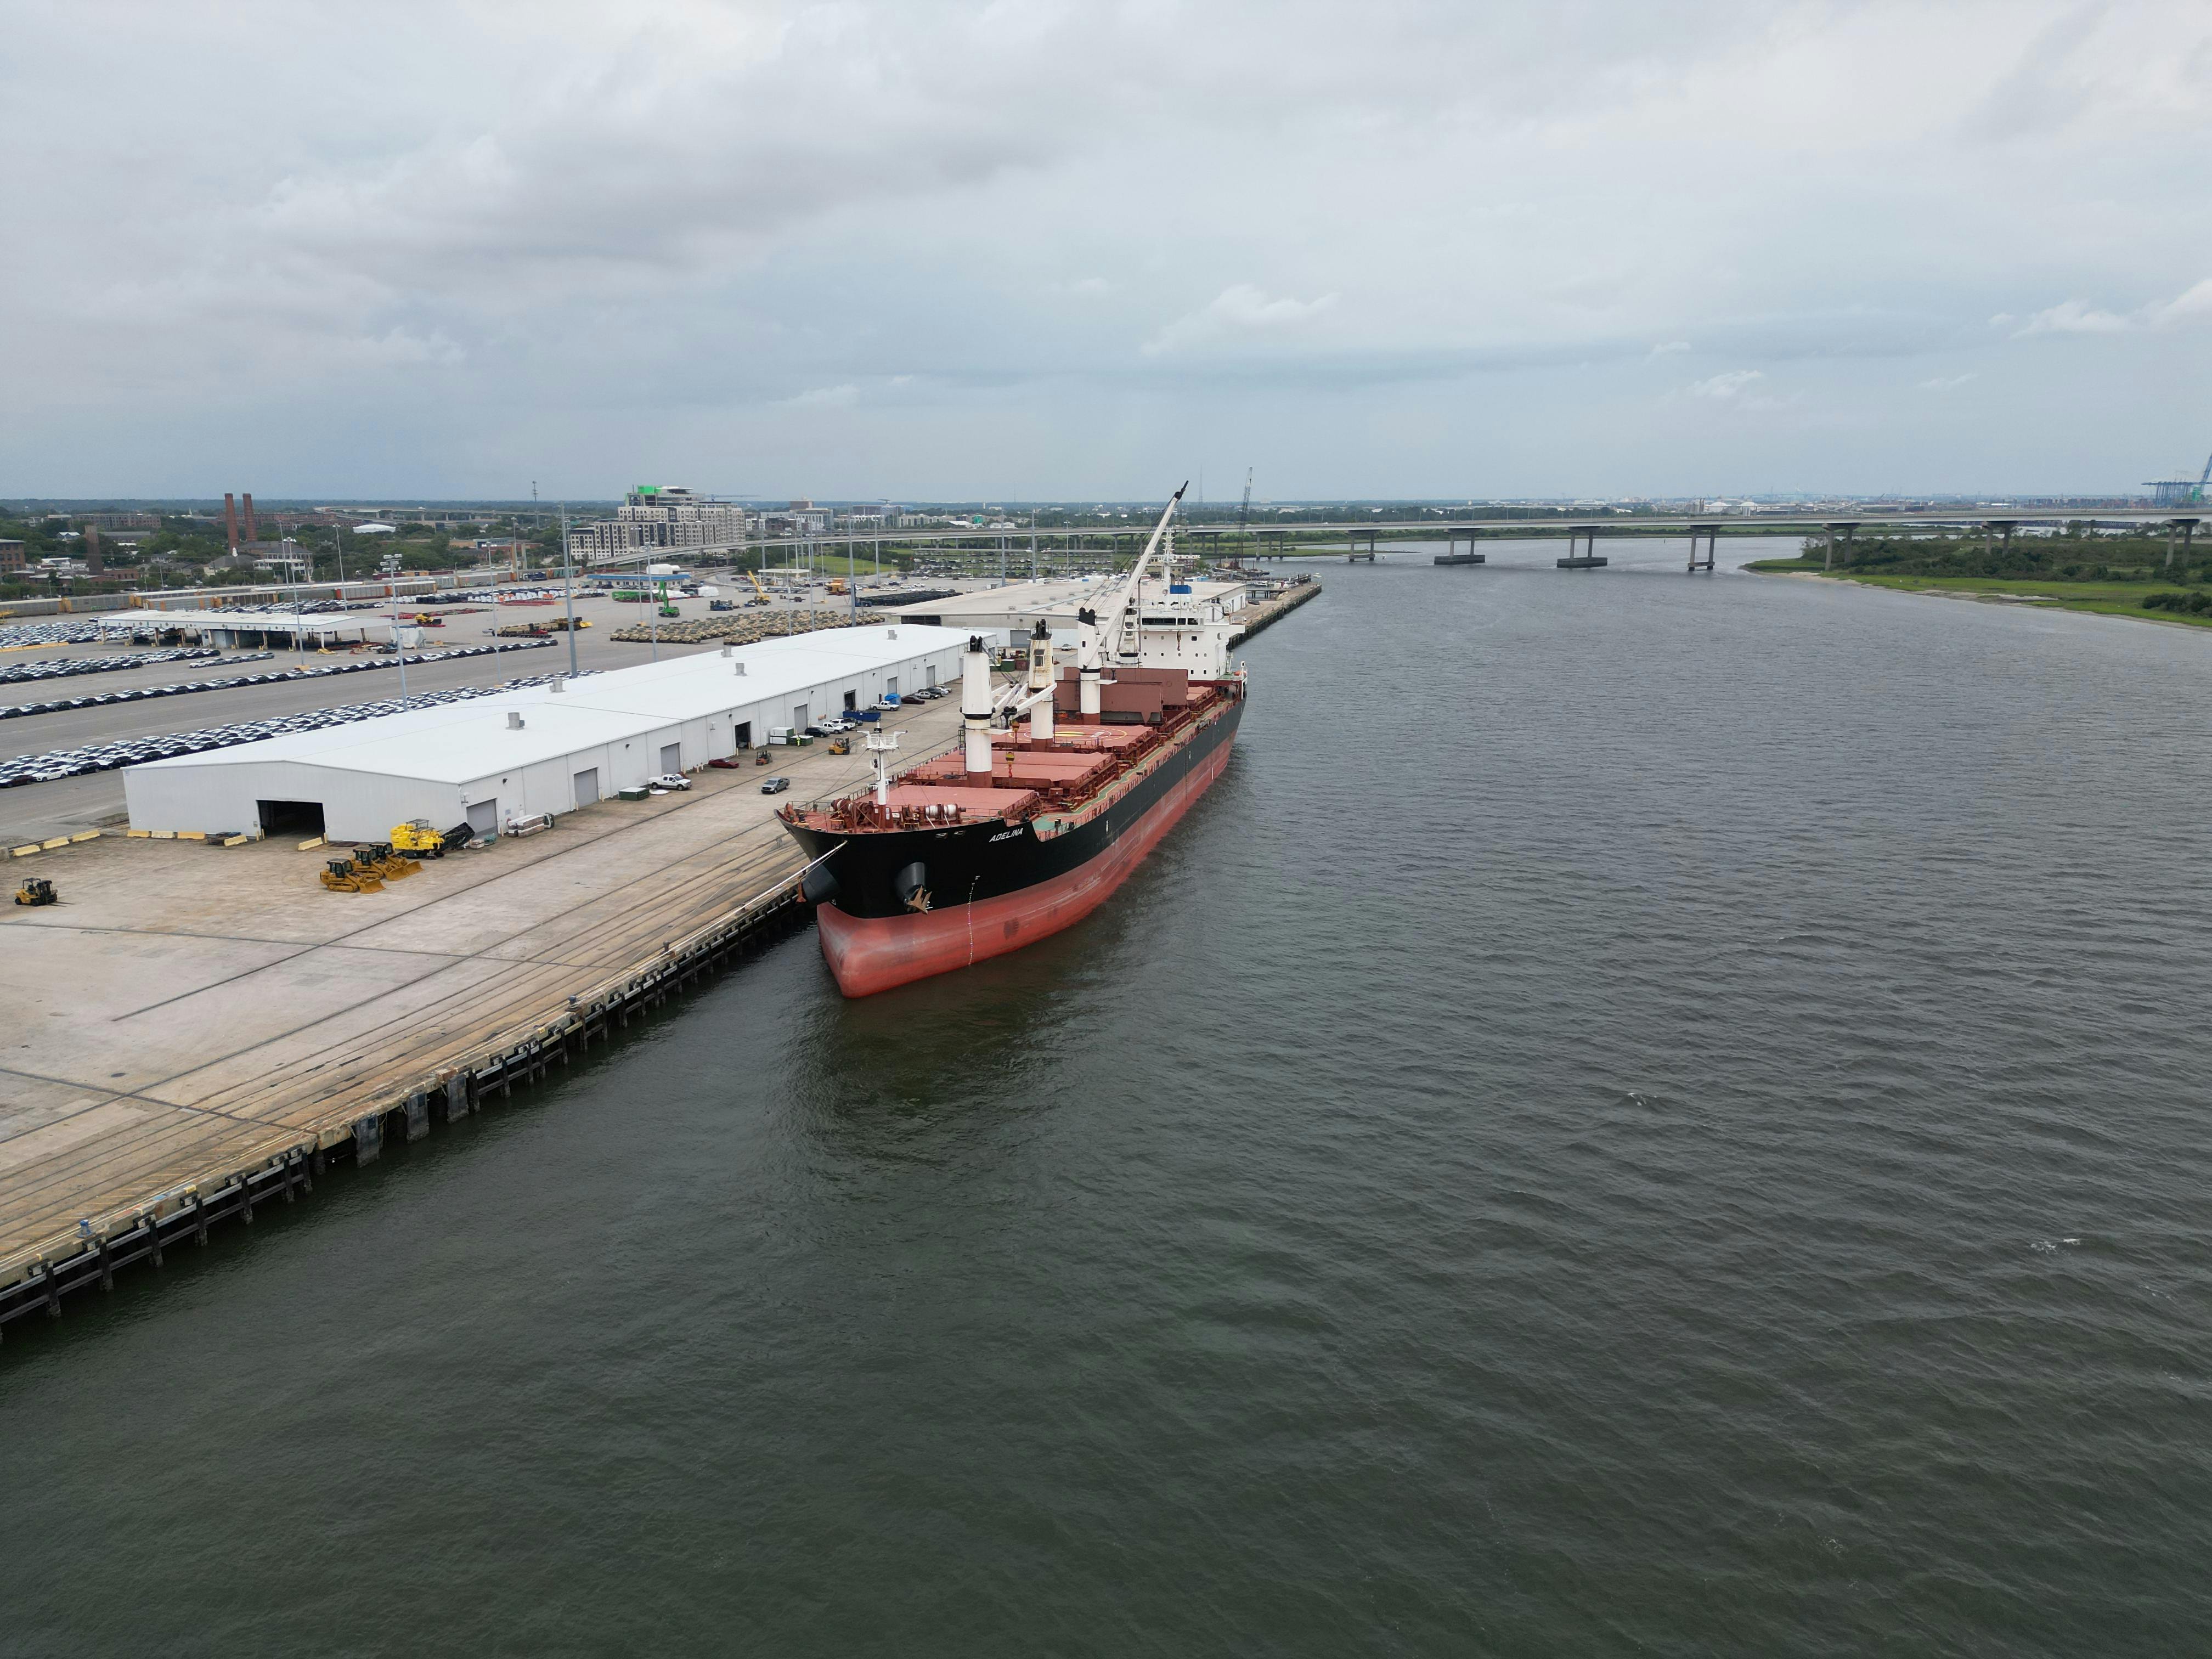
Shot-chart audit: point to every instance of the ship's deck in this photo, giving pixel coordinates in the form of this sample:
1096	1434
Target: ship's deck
1077	766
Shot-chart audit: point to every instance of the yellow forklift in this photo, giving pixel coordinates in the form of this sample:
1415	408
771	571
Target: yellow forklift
36	890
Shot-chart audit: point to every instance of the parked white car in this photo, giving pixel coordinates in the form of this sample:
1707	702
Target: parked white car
669	781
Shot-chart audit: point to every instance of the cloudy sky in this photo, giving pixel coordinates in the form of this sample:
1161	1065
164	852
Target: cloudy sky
1029	249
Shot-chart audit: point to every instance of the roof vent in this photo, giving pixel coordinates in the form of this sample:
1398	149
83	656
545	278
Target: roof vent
741	667
729	650
559	683
890	633
514	720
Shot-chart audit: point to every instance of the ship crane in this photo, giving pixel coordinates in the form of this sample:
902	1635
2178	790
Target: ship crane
1040	687
983	707
1119	614
1124	602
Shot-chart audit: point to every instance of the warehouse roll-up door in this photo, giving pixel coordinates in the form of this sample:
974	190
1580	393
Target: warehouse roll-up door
290	818
799	718
671	757
587	786
483	816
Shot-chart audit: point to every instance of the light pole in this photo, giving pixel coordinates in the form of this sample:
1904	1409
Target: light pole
292	569
398	650
568	586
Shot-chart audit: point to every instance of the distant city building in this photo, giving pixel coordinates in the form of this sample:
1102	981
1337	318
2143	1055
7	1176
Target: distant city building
660	515
11	555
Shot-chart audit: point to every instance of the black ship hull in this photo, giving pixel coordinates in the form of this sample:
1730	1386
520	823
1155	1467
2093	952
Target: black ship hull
899	905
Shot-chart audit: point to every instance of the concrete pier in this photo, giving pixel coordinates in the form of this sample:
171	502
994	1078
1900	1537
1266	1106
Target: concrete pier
1270	612
200	1028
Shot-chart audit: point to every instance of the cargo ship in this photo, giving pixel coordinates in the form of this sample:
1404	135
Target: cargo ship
1064	780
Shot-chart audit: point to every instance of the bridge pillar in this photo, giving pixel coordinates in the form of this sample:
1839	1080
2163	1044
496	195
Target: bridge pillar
2187	527
1590	561
1710	535
1451	555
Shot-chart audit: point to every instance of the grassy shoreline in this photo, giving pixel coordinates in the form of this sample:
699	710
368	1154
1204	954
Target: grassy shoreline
2098	599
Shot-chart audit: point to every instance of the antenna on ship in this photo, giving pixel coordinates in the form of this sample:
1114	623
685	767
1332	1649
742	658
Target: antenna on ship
882	745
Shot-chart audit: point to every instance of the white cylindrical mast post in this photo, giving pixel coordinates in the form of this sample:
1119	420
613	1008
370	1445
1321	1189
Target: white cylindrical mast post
1086	670
976	704
1041	675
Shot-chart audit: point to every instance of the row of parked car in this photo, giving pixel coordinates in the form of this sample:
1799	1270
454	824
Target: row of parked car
59	763
137	693
62	668
14	635
831	728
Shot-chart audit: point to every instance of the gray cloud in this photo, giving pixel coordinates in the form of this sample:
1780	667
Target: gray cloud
863	248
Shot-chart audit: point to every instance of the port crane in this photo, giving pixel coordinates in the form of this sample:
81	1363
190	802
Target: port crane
2180	492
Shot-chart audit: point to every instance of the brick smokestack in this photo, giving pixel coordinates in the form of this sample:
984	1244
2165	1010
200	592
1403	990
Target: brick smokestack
230	519
92	549
252	533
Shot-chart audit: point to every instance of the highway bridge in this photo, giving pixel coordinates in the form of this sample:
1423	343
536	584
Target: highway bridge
1998	521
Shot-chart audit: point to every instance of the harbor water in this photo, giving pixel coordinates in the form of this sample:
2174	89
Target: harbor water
1644	1114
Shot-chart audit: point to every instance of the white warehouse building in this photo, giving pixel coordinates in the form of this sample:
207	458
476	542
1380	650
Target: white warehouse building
538	749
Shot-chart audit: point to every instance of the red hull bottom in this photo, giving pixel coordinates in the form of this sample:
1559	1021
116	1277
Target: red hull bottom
872	954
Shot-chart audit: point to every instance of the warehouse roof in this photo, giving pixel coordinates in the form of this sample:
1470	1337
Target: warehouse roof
277	622
458	742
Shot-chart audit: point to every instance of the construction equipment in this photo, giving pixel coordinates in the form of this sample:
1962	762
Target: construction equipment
753	576
415	836
840	745
36	890
344	876
390	864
